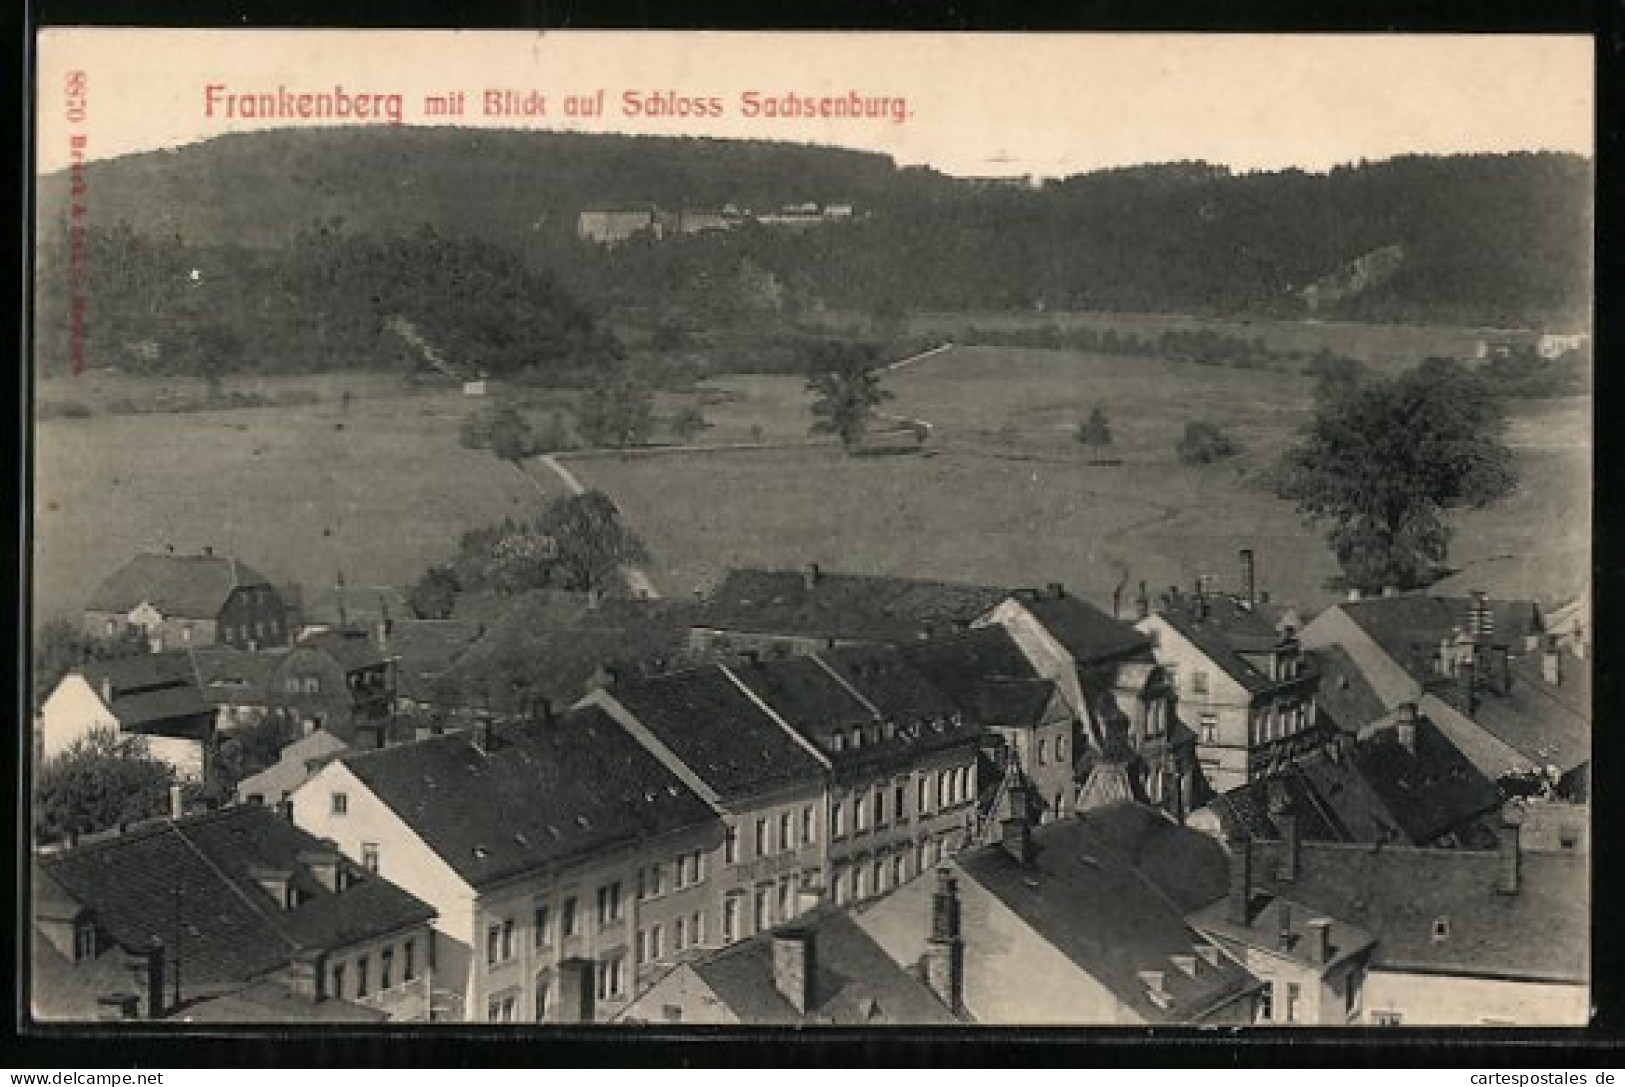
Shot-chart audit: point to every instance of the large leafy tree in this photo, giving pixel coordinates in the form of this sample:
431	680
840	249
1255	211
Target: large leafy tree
1383	462
845	389
102	779
616	411
590	540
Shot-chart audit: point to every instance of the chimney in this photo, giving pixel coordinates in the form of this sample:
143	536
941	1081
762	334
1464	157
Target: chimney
795	963
1018	839
1405	728
945	949
1057	590
1241	884
1467	680
1142	603
576	991
1248	585
1551	663
1508	874
810	575
1320	940
1287	820
177	802
1283	933
483	733
155	978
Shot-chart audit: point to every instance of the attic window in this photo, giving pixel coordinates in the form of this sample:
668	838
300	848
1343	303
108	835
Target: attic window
1441	928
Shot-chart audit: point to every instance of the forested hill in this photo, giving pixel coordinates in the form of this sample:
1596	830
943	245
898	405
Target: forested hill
1487	239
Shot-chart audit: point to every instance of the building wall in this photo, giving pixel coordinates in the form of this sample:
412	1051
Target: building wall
779	874
1012	976
1045	755
335	705
69	713
903	844
253	617
403	999
1322	999
1445	1000
1049	658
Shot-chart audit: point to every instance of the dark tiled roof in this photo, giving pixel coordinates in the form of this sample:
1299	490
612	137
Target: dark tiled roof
1245	628
270	1002
983	670
353	649
857	607
187	586
233	930
1400	894
558	645
426	648
717	731
1429	791
1110	890
855	982
1272	917
228	676
544	793
1549	725
1402	623
887	680
151	692
1085	631
1345	697
1019	703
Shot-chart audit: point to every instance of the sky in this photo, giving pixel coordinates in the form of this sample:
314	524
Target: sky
976	104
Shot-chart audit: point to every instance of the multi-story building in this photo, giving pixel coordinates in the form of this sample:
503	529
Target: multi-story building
765	782
531	840
342	681
181	601
901	760
230	916
1247	690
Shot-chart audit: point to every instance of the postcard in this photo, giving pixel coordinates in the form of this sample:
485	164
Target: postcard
811	529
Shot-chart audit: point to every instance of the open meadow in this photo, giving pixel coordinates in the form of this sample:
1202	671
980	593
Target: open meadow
379	487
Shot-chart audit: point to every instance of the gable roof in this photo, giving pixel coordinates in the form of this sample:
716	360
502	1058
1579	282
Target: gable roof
1398	894
855	982
1085	631
238	677
185	586
1110	890
983	671
293	766
1550	725
1403	625
717	731
543	793
352	649
1212	641
855	607
425	648
233	930
150	691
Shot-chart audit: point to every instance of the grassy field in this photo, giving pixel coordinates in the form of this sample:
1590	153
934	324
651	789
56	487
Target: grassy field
1007	497
1010	497
282	488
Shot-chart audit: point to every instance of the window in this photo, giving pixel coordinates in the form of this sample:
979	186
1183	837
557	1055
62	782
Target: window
837	819
699	867
501	1009
1441	929
787	831
859	822
312	685
730	919
879	876
858	890
341	803
1199	681
609	903
880	806
1351	995
899	870
369	856
507	938
386	968
539	927
493	944
361	976
679	930
1386	1019
759	914
730	846
784	897
837	742
642	886
609	978
656	944
1294	993
338	982
1060	748
186	634
657	881
837	884
942	789
641	949
922	858
1210	728
409	966
84	942
567	917
857	738
1043	747
925	794
899	802
761	838
697	930
809	826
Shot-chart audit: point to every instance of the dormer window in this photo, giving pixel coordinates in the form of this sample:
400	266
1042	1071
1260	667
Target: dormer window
1441	928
